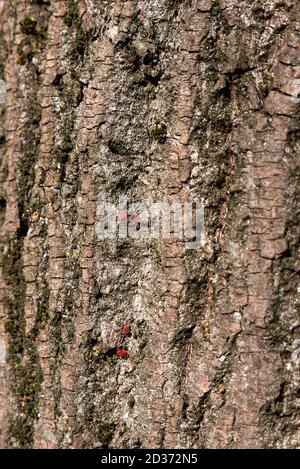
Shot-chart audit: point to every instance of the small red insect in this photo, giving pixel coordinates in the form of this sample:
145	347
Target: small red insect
122	353
123	216
126	329
135	217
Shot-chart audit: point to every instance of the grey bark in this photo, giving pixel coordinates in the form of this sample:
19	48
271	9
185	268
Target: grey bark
194	99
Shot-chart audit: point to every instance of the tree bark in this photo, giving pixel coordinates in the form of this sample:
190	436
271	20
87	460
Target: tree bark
149	100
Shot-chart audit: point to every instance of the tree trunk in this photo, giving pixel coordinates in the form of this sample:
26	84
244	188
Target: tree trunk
130	343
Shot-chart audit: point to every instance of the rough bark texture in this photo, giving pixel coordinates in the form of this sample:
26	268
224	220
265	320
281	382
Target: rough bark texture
149	99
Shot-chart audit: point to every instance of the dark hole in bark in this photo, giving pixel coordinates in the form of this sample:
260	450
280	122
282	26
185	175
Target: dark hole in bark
2	210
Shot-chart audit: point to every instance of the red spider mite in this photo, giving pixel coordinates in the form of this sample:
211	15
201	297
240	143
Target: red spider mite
120	352
126	329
